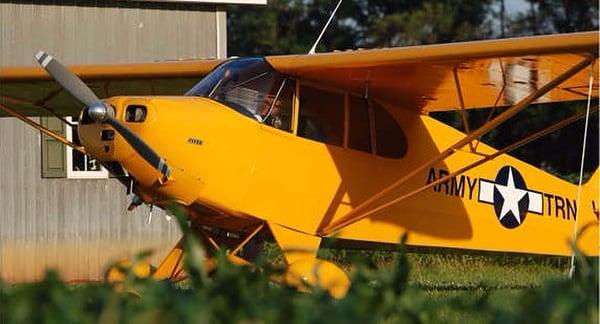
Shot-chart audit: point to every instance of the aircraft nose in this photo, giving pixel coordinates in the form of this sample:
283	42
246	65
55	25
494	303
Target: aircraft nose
120	130
100	139
107	135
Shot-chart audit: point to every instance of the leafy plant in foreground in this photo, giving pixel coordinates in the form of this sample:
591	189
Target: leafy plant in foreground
249	294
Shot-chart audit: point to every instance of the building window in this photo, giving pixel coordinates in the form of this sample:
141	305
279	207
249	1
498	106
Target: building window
61	161
53	152
81	166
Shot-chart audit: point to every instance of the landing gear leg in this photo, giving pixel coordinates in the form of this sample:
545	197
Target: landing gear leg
171	268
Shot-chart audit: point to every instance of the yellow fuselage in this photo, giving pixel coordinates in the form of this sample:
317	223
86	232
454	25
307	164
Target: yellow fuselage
229	163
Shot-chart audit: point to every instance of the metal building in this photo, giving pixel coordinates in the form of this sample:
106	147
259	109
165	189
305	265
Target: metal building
55	211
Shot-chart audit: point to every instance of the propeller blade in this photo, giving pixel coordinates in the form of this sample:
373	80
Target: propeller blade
140	146
67	79
97	110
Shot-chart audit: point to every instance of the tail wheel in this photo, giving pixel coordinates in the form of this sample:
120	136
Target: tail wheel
318	273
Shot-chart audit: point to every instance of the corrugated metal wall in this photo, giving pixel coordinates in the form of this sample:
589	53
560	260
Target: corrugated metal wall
109	31
77	226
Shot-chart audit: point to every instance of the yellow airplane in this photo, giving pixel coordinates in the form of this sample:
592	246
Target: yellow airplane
333	145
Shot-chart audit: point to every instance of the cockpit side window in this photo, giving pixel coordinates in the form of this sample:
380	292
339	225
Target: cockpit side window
359	132
321	116
390	139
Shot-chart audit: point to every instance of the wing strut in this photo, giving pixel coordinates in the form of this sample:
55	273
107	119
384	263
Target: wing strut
43	129
495	106
41	105
464	115
358	213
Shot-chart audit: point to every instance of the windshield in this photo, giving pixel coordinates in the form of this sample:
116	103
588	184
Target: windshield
248	85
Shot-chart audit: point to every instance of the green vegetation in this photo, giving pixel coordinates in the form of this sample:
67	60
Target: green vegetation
387	287
291	26
432	289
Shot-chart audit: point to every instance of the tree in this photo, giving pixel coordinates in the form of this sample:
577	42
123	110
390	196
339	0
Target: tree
432	22
555	16
291	26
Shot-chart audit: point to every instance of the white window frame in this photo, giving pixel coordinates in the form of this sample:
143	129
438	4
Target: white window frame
72	174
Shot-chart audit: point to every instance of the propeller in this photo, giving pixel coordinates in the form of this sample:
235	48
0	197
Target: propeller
98	110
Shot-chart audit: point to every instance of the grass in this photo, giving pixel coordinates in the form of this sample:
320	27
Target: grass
469	286
445	269
478	271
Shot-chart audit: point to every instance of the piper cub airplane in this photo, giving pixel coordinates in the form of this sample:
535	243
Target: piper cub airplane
333	145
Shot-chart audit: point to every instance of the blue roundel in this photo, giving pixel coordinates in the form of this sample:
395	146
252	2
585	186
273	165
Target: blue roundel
511	199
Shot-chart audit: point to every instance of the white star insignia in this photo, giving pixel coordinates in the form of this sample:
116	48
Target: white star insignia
512	196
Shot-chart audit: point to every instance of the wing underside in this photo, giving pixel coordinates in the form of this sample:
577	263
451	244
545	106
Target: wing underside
31	91
436	77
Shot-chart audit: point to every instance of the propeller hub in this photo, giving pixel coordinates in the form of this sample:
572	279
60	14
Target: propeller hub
98	112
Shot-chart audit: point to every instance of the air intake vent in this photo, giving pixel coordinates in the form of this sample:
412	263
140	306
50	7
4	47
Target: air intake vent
135	113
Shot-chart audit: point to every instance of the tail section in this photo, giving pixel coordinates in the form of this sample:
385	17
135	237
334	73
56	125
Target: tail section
590	197
590	188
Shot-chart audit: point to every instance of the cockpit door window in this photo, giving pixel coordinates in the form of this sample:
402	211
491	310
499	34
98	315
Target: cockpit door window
321	116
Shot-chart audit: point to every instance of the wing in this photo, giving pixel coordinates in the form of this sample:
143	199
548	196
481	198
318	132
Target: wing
32	92
434	77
